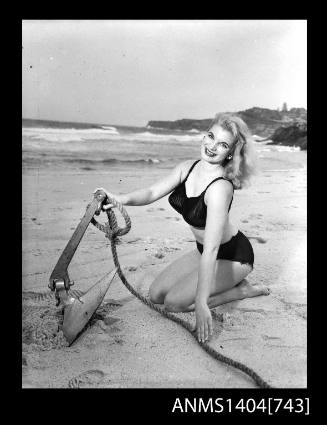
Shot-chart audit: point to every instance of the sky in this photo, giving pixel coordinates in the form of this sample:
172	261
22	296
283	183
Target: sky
128	72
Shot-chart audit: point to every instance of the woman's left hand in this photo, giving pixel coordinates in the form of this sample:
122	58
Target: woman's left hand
203	321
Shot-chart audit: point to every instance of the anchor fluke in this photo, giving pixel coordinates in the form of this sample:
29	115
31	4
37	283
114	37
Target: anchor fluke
77	312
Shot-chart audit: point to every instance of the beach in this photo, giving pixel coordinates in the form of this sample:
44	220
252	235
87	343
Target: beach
128	345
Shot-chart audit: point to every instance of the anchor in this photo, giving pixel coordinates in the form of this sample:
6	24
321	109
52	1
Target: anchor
78	311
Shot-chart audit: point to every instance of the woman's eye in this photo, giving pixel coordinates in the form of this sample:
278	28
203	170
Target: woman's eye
211	136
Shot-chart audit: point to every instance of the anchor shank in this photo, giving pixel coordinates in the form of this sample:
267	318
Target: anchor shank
60	269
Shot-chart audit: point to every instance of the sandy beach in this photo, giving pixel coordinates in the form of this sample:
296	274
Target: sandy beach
128	345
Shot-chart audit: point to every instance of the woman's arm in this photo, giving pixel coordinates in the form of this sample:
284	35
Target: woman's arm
157	190
218	197
154	192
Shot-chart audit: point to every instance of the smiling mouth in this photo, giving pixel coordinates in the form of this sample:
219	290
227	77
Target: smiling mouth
208	152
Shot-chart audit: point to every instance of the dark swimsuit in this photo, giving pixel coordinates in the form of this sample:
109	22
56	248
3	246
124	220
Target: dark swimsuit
194	211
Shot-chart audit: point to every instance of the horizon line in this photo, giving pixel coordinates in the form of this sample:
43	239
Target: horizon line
178	119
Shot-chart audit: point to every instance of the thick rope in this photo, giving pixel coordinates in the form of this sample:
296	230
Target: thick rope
111	230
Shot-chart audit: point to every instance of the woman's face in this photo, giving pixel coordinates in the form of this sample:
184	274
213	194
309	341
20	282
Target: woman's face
216	145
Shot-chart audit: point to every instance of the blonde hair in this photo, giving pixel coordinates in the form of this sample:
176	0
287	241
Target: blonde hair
242	166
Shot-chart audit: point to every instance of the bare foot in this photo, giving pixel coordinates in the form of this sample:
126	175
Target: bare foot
252	290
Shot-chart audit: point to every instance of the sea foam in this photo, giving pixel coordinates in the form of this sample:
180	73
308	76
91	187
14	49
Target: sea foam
71	134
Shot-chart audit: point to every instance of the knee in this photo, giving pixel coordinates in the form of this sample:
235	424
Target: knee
173	304
156	295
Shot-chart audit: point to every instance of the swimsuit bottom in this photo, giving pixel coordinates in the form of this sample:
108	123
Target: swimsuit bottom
238	248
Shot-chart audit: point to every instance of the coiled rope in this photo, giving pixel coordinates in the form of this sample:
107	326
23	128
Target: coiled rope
112	230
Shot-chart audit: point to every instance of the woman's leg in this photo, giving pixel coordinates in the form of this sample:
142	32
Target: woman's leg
229	285
242	290
178	271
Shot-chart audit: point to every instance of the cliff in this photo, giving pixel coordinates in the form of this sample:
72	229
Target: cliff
261	121
291	135
184	124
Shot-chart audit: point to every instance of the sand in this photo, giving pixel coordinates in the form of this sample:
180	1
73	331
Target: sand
128	345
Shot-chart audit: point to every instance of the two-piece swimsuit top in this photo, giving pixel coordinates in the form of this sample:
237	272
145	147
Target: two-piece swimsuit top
193	209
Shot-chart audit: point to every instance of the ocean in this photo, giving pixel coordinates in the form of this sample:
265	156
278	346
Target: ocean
87	147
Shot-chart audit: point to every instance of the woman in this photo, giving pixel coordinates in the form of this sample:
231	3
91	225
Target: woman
202	191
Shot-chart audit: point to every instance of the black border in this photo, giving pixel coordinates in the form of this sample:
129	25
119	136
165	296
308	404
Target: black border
130	402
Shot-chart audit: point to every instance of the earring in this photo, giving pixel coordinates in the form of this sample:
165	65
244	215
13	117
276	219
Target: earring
229	157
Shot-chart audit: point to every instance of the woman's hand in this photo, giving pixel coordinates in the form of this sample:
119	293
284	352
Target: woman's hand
203	321
110	195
